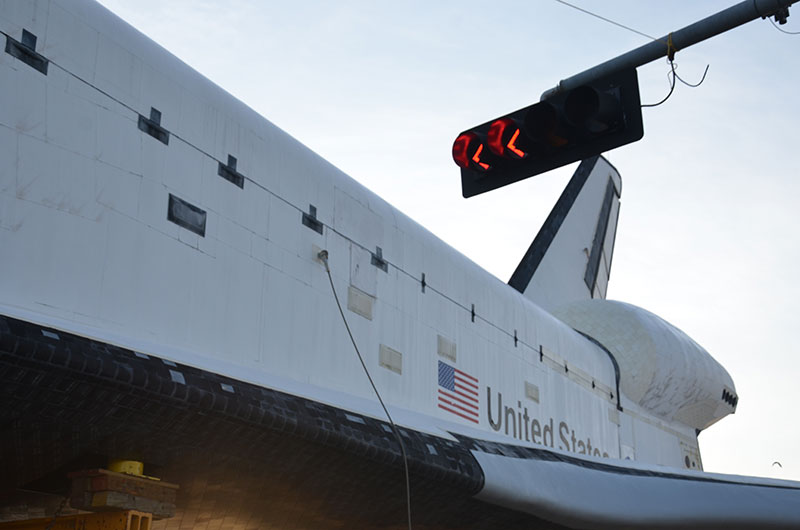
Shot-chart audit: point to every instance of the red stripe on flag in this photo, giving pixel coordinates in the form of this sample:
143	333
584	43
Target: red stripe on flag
465	389
467	403
465	382
473	420
459	407
466	375
474	399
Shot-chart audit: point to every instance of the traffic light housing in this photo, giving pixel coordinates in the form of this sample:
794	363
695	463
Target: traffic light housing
564	128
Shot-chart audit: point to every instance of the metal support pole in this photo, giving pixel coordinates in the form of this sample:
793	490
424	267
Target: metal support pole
711	26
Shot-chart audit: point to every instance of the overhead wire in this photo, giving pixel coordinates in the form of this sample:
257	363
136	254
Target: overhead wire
623	26
671	50
671	87
672	75
674	71
323	256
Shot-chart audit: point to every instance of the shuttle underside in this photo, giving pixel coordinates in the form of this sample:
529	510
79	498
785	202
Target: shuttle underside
243	454
249	457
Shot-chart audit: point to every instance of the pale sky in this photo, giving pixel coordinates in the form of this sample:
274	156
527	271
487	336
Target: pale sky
708	228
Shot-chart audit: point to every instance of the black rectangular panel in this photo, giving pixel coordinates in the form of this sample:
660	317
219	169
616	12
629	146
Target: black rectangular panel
186	215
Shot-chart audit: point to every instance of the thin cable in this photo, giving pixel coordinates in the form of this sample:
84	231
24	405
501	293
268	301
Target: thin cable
783	30
606	19
671	88
323	255
690	84
670	47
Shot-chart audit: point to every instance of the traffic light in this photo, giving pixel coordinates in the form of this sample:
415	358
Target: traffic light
564	128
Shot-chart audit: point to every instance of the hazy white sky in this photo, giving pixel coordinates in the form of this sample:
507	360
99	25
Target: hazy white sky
708	235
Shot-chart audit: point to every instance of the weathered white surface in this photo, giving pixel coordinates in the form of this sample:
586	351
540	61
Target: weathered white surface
661	368
85	246
85	239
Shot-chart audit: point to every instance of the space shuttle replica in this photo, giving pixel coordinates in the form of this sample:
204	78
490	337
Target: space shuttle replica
187	286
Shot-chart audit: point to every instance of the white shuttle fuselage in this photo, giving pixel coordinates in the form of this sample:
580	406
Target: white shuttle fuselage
143	207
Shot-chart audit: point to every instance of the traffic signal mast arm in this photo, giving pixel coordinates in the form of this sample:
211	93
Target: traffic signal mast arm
587	114
711	26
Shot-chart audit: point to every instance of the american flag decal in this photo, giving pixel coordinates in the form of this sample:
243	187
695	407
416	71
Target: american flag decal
458	392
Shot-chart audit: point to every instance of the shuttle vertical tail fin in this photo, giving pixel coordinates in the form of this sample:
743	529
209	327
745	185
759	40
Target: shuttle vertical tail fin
570	258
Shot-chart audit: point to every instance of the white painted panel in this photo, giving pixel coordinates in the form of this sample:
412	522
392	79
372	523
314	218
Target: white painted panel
303	341
216	192
183	165
70	43
276	330
363	275
228	136
531	391
153	204
242	278
27	14
8	160
153	155
119	140
209	312
234	235
196	124
71	122
259	248
23	99
354	220
120	274
190	238
208	244
446	348
56	178
163	286
253	207
60	263
162	93
119	72
299	268
117	189
8	96
390	359
285	222
412	250
263	165
360	302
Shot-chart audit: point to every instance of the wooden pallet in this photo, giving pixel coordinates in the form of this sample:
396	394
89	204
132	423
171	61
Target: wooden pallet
98	490
126	520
